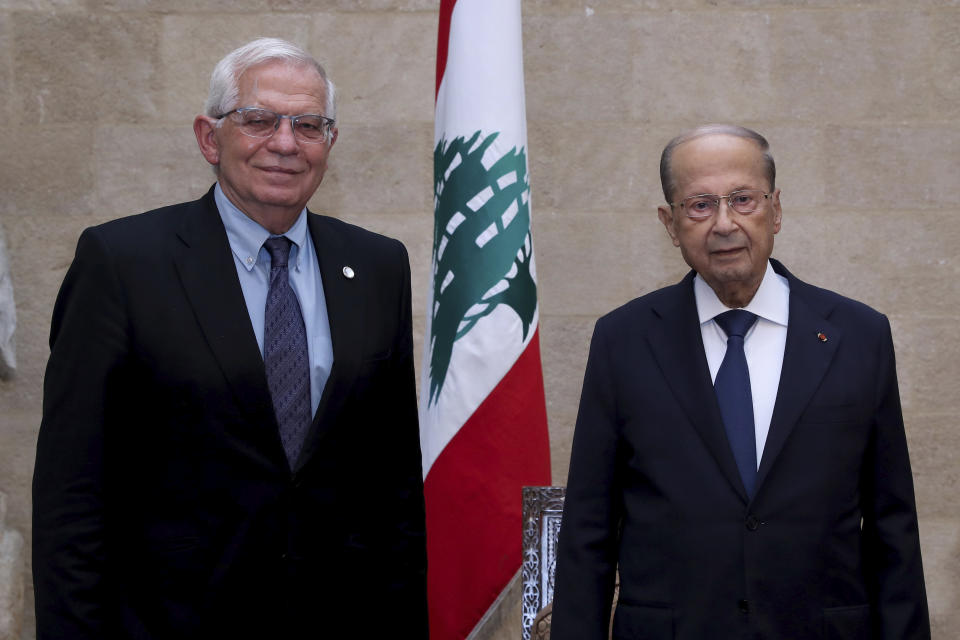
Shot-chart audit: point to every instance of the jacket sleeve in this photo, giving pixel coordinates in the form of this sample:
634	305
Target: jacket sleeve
407	578
88	345
589	532
891	543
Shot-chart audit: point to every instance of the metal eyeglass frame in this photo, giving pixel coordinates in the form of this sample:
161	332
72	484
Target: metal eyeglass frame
327	122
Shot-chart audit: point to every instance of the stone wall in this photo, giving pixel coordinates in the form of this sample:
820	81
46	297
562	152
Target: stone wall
11	577
8	313
861	103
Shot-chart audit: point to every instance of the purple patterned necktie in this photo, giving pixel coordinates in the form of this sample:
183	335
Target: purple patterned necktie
285	353
732	386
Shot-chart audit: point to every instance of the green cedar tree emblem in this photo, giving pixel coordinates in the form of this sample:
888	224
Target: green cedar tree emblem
481	244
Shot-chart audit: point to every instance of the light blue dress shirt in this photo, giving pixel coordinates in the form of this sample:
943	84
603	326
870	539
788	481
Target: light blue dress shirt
252	260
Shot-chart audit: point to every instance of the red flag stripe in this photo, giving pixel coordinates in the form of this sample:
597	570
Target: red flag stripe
474	499
443	40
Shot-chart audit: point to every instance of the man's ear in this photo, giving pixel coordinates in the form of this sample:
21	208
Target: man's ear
777	211
205	128
666	217
334	132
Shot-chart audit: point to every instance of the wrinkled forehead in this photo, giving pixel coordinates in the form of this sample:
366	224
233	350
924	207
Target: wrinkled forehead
715	156
284	77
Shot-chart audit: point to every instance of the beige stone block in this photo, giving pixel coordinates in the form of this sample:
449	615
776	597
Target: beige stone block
12	560
564	346
603	7
180	6
103	68
603	166
7	54
20	435
590	263
934	441
273	6
841	65
576	66
383	63
41	249
794	5
897	261
940	546
140	167
8	314
945	59
42	5
928	362
19	430
725	81
192	44
800	152
908	166
379	168
356	6
47	171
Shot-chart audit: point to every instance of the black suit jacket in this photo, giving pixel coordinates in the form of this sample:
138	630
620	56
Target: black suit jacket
164	506
827	548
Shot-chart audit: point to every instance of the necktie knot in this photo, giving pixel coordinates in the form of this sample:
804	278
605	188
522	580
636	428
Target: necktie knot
736	322
279	250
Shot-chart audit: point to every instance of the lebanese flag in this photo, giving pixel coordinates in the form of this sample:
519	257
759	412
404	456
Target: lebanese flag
483	419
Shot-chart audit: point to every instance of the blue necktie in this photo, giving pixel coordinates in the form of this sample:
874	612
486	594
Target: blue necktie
285	353
732	387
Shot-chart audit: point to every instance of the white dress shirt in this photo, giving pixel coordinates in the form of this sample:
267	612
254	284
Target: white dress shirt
763	345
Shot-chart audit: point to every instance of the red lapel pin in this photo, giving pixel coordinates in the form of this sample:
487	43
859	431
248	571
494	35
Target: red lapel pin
822	336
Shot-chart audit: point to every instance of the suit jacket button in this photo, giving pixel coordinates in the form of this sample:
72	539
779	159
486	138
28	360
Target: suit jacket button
743	606
752	525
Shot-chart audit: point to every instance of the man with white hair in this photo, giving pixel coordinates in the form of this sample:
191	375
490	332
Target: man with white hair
739	456
229	446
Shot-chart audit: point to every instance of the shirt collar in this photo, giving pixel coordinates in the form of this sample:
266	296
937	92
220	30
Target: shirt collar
246	236
770	302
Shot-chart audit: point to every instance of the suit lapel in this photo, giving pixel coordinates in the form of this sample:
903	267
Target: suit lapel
345	311
208	275
806	359
677	346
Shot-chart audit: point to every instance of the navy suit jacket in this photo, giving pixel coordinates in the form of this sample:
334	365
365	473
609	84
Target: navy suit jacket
827	548
164	506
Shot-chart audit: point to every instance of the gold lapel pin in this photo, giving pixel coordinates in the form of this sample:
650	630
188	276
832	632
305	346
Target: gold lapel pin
822	336
348	273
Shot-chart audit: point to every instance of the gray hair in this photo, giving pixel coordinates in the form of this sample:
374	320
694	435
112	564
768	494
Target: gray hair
224	88
666	178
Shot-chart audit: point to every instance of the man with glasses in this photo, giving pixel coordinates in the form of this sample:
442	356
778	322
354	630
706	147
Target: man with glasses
739	454
229	446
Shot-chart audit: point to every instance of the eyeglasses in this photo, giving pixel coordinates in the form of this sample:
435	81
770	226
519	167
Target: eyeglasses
263	123
703	206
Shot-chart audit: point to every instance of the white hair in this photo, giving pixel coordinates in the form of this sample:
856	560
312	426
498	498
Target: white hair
224	87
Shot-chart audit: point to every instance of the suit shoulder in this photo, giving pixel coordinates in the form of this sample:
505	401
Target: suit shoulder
355	234
143	225
836	306
642	310
830	304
